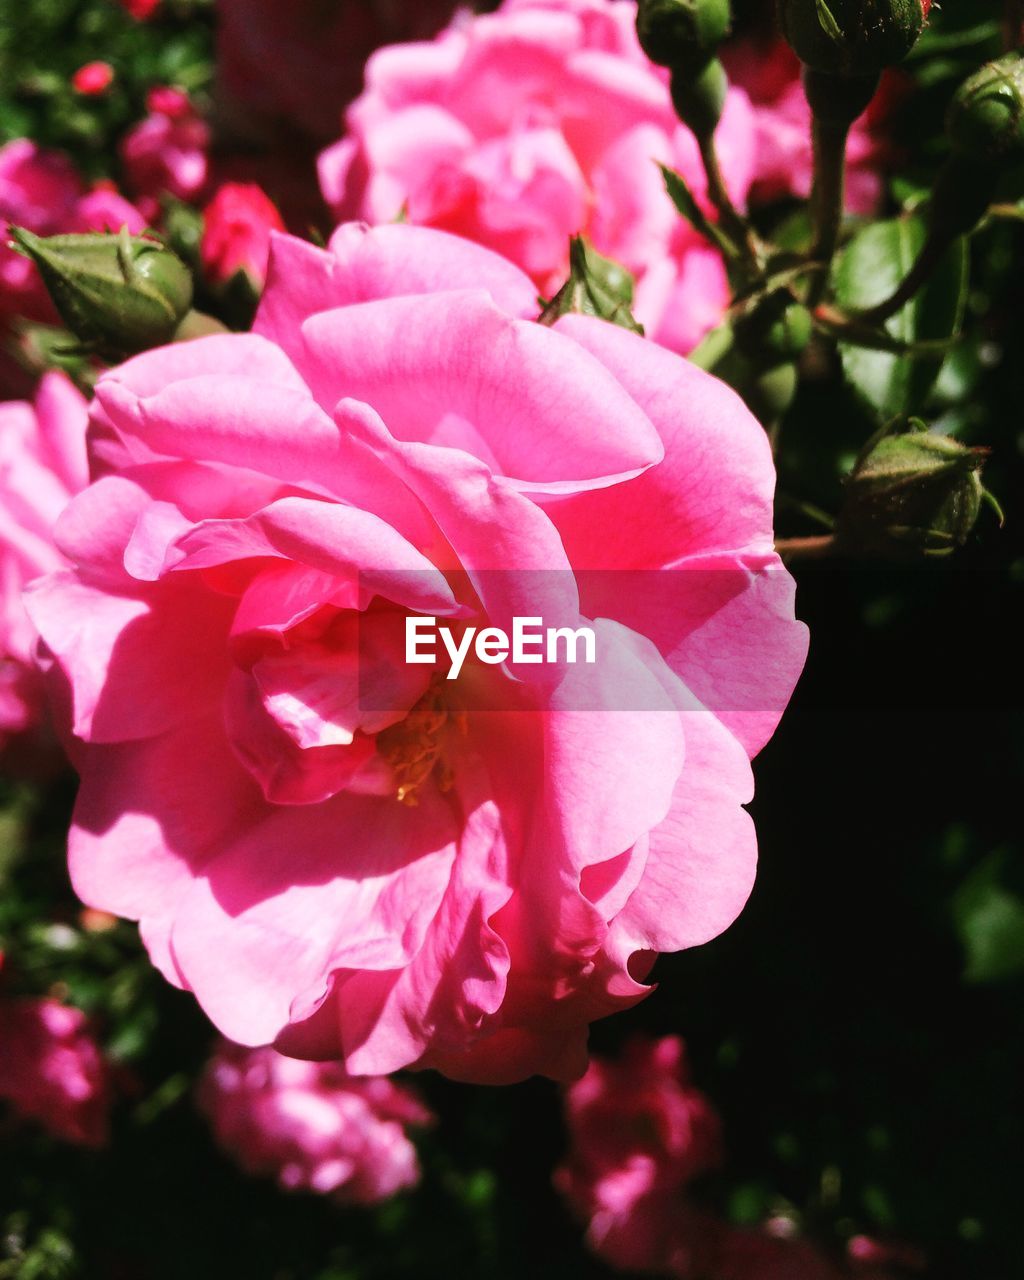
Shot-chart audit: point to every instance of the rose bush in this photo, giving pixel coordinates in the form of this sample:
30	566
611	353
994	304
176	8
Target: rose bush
408	878
310	1125
520	128
42	463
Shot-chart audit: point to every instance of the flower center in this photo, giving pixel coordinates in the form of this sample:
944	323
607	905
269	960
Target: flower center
417	746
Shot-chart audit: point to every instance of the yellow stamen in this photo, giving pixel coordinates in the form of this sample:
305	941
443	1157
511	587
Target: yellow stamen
415	746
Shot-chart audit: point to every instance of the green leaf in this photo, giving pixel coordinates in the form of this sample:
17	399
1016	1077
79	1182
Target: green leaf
828	23
989	917
686	202
867	272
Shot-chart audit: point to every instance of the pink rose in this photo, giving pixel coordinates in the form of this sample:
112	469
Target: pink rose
300	63
310	1125
639	1133
165	154
520	128
42	464
52	1071
784	161
236	232
349	855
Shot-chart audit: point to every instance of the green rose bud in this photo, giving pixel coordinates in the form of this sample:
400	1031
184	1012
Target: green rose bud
852	37
699	99
596	286
986	116
682	33
118	294
912	494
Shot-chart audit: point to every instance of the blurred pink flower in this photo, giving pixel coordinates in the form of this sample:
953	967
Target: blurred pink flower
639	1133
42	464
310	1125
236	232
165	154
299	64
458	874
51	1069
784	164
520	128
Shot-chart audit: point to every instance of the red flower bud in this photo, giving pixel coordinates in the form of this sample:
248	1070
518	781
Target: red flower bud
93	79
236	236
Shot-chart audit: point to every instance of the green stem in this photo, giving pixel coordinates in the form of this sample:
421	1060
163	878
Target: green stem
827	198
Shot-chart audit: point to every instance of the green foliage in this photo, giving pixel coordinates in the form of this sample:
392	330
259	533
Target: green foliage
868	270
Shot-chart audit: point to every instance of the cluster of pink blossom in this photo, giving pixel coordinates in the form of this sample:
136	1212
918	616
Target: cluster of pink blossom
520	128
312	1126
454	874
51	1070
640	1134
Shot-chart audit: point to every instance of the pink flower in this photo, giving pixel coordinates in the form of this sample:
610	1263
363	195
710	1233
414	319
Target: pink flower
520	128
93	78
352	856
236	233
165	154
301	63
51	1069
312	1126
639	1134
42	464
784	162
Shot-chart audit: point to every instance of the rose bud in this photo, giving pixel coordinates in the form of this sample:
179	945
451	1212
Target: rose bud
92	79
682	33
986	116
117	294
699	100
596	286
912	493
236	234
852	37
